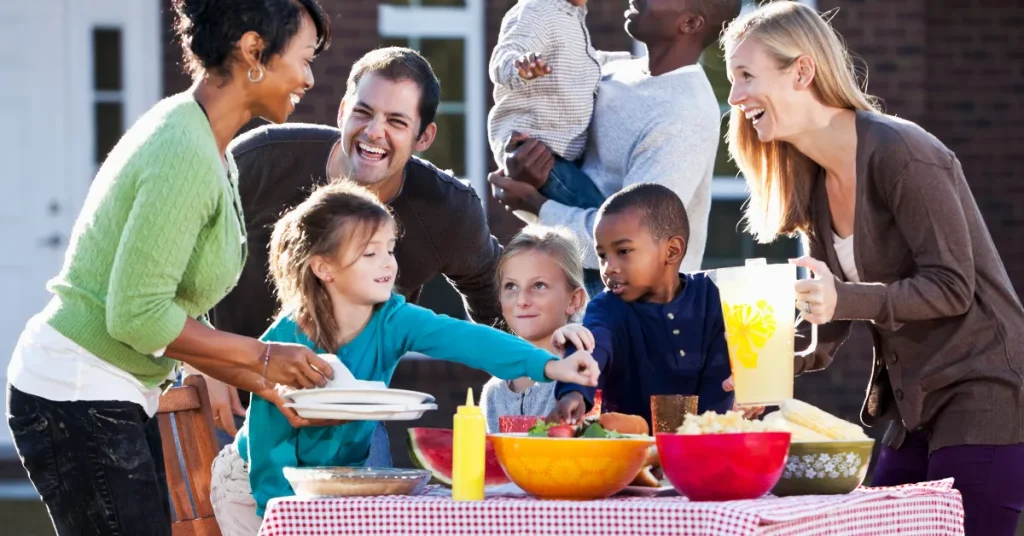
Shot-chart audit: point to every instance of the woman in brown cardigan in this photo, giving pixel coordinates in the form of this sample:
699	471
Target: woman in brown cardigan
895	240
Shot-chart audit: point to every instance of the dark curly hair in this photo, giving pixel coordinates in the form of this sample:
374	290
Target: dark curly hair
209	30
662	211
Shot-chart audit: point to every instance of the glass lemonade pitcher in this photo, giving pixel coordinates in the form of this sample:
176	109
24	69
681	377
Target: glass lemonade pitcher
758	301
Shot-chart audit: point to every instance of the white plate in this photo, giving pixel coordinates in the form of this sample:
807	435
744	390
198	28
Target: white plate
359	408
366	413
328	395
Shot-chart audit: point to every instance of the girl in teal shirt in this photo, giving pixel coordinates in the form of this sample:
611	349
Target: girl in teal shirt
333	265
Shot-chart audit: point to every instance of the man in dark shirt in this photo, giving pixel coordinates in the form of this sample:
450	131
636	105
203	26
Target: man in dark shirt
386	115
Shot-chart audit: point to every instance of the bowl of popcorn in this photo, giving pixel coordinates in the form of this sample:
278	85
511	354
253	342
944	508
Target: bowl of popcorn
724	457
827	455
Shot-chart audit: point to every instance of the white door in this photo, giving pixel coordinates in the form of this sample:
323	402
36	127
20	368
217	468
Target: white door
73	75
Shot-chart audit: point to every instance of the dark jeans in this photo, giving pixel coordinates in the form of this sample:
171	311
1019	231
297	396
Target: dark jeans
990	479
569	185
98	466
592	281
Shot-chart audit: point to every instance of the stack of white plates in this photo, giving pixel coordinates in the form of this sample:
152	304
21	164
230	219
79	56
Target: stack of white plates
360	404
346	398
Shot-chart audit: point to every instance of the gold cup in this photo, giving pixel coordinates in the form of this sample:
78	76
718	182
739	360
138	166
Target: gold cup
669	411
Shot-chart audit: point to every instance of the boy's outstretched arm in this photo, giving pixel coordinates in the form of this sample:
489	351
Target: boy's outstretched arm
600	322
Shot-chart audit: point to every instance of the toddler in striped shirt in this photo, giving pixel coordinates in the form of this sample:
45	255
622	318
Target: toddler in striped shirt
545	74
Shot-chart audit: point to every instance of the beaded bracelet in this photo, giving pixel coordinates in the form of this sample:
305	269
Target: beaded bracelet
266	360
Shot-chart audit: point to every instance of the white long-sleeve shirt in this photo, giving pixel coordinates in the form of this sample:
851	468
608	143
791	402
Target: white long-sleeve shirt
555	108
662	129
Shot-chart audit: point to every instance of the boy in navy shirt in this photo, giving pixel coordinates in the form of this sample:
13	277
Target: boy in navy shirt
654	330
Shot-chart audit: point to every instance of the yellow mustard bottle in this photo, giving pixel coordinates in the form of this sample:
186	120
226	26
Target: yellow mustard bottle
468	447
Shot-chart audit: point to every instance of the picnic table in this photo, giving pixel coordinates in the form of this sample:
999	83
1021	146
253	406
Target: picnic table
926	509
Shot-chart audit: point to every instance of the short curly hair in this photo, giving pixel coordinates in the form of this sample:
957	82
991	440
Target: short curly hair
209	30
661	210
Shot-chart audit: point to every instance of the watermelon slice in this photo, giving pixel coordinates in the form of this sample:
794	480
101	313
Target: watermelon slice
431	449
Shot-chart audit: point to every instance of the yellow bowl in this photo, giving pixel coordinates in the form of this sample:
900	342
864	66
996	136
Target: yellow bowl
570	468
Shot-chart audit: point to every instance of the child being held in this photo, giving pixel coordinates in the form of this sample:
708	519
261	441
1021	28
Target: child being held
545	74
540	287
655	331
332	261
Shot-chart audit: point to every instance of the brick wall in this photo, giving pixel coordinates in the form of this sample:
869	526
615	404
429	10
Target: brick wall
954	67
976	106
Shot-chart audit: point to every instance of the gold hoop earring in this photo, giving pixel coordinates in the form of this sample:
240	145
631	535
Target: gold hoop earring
255	79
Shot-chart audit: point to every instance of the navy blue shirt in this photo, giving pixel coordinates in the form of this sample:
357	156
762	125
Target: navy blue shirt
646	349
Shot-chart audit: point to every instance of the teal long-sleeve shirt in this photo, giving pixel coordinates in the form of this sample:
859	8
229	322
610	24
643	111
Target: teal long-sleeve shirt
269	443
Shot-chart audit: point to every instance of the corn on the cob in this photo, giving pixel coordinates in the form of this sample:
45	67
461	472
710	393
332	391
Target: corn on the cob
799	433
803	414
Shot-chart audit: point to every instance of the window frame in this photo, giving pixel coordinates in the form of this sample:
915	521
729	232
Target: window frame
415	22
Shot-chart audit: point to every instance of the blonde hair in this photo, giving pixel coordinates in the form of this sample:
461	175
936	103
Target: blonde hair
335	217
557	243
779	176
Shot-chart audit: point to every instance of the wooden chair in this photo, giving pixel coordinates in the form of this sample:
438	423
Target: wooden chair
190	492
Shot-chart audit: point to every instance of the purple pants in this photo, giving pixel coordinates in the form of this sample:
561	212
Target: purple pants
990	479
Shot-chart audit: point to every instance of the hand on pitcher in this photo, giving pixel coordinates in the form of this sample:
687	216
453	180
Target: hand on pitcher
816	298
750	412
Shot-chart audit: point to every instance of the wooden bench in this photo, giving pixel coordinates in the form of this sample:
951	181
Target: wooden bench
190	492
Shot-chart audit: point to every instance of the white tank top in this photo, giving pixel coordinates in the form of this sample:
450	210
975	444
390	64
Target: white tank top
844	250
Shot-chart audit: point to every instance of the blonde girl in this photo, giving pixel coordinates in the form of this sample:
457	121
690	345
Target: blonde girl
540	287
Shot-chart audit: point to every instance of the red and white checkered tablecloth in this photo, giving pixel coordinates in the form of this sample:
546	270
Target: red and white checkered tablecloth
926	509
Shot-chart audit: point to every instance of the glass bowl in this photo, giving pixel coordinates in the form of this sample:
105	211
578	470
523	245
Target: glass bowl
355	481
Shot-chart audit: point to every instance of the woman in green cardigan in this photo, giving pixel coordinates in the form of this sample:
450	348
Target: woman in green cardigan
159	241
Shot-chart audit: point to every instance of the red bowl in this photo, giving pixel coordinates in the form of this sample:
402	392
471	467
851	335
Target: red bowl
723	467
510	424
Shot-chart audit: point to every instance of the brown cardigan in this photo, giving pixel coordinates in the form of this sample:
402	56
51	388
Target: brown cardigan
948	327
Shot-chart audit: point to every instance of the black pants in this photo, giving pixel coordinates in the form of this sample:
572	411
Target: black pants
98	466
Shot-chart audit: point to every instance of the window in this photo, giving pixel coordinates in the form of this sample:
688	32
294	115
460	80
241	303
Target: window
446	56
108	90
450	34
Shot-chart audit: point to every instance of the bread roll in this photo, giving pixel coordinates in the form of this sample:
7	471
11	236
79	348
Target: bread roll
624	424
